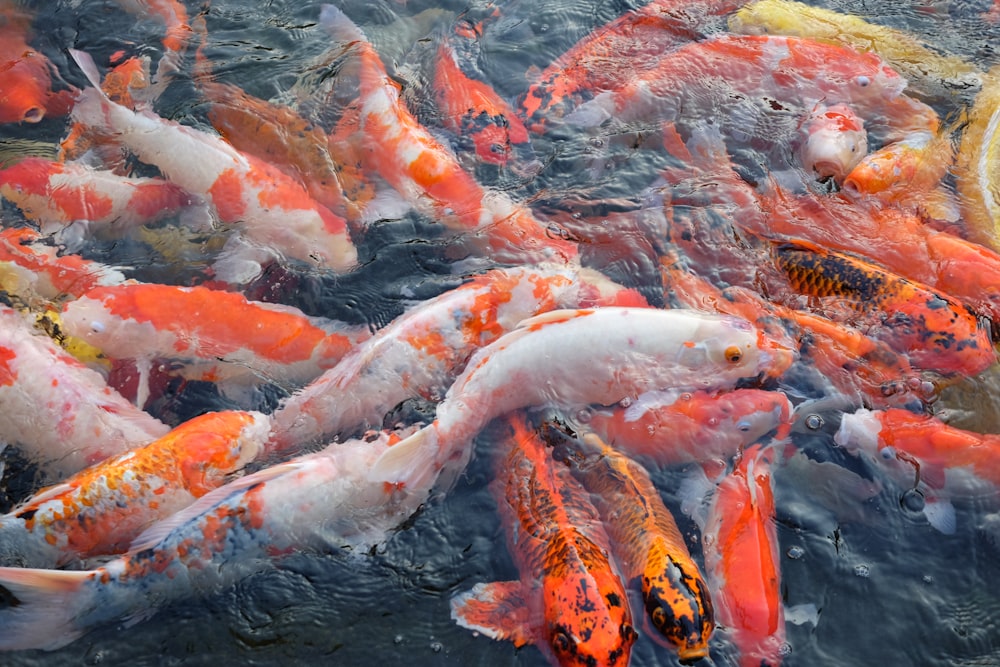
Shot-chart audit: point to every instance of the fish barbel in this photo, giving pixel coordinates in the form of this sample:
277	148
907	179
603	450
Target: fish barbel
570	601
103	508
318	502
572	358
647	543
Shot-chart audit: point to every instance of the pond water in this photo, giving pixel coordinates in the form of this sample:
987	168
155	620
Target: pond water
889	588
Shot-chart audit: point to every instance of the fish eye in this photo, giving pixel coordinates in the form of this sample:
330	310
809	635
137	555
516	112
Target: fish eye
863	81
561	643
659	618
733	354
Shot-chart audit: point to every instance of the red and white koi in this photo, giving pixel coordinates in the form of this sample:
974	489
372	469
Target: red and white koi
835	141
647	543
61	413
269	207
317	502
103	508
216	336
570	601
573	358
58	194
420	353
425	172
741	560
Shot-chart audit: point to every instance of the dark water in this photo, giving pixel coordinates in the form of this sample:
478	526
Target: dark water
890	590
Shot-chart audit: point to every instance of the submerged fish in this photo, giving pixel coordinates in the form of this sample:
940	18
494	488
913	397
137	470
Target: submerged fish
570	601
102	509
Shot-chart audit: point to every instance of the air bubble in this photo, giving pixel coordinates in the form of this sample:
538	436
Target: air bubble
795	553
437	647
814	422
862	571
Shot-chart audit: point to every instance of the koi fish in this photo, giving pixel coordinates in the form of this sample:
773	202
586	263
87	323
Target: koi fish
570	601
102	509
425	172
741	560
57	194
32	271
921	452
629	351
835	141
62	414
268	206
420	353
976	174
322	501
26	94
472	110
672	426
646	542
177	33
632	42
930	72
935	331
223	337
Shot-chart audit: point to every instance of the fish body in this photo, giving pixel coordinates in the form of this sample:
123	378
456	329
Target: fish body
977	177
57	194
570	601
62	414
934	330
322	501
216	336
674	427
741	560
265	204
647	543
102	509
420	353
628	351
425	172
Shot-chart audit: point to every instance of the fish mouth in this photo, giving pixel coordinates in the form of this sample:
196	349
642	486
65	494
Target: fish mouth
33	115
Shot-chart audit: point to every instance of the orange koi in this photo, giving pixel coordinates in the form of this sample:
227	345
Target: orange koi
101	509
420	353
57	194
570	601
26	94
673	427
647	543
267	205
473	111
222	336
32	271
425	172
76	420
935	331
741	559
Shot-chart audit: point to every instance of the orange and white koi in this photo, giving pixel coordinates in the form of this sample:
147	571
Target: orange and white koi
103	508
317	502
741	560
922	452
673	427
633	42
26	94
570	601
269	207
61	413
57	194
425	172
217	336
471	109
835	141
573	358
33	271
934	330
420	353
647	543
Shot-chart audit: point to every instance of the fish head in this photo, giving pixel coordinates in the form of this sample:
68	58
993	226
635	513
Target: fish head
678	605
587	618
835	141
741	350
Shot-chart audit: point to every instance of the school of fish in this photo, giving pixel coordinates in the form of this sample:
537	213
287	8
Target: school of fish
617	290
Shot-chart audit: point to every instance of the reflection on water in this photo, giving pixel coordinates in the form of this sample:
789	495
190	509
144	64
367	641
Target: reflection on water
888	588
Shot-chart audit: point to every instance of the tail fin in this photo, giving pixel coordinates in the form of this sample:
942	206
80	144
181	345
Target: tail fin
38	608
339	25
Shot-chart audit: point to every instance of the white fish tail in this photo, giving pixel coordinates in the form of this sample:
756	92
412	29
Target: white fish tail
38	608
339	25
414	462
